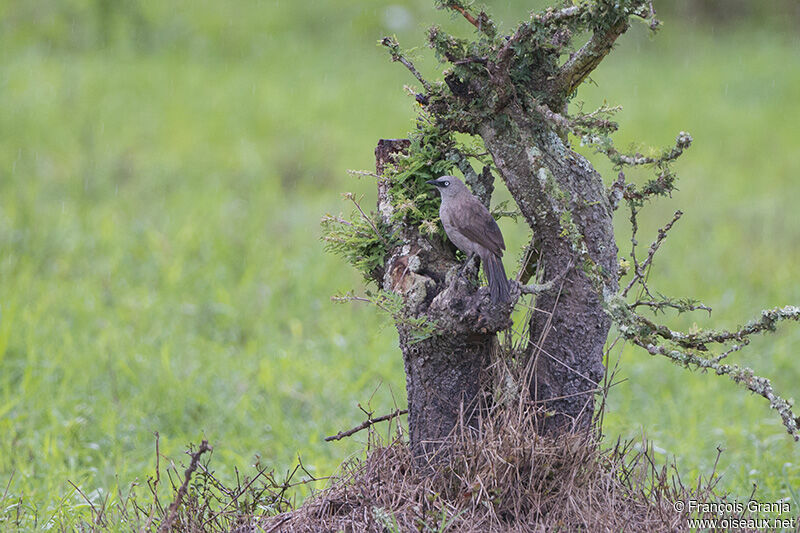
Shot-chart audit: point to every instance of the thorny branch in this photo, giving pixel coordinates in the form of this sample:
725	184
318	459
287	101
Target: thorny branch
367	423
682	347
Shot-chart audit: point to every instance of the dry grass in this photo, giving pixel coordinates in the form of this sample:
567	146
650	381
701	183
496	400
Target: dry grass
502	477
499	477
508	479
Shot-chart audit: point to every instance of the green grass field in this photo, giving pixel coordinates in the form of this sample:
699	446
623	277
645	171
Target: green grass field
161	185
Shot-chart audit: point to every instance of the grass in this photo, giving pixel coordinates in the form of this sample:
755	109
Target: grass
160	263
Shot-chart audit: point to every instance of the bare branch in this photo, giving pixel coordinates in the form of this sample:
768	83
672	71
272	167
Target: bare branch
482	22
364	425
640	270
187	476
734	348
634	243
397	55
467	15
379	302
350	196
363	173
663	304
662	234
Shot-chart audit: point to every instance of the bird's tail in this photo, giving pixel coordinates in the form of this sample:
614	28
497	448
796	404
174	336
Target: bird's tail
496	275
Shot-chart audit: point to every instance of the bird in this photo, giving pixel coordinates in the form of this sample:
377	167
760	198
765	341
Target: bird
470	226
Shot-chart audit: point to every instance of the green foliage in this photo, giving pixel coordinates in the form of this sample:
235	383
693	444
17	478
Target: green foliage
415	201
363	241
392	303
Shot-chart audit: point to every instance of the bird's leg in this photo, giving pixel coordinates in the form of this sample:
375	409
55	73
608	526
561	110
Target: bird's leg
466	264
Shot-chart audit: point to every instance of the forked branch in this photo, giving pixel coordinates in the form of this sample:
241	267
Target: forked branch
576	69
586	59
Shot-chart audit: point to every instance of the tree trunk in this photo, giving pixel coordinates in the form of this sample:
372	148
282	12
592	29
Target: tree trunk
443	365
564	201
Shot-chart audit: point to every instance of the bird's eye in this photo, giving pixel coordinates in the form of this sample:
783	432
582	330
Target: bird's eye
446	183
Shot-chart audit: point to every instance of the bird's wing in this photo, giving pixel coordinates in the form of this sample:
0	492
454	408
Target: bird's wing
478	225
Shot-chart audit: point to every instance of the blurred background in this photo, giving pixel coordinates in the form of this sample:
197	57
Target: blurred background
163	170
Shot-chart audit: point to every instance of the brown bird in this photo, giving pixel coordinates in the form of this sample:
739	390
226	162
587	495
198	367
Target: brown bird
474	231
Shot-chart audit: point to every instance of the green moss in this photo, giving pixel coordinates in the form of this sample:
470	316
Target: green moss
414	201
363	239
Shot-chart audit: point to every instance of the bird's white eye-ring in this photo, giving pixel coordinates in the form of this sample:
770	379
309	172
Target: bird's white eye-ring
446	183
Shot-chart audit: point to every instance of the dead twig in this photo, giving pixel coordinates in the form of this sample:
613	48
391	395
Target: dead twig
187	476
154	487
397	55
641	270
98	516
367	423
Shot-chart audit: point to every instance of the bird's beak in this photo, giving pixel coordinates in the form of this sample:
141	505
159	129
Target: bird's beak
435	183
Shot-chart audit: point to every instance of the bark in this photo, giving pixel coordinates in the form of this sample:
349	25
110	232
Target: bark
443	368
563	200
